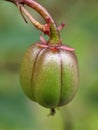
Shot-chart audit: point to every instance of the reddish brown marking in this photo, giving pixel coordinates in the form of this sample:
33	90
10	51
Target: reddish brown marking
61	26
47	29
47	26
48	20
54	48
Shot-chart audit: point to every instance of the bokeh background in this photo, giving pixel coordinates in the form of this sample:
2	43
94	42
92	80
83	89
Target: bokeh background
17	112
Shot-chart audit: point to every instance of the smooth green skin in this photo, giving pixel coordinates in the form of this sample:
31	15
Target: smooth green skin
49	77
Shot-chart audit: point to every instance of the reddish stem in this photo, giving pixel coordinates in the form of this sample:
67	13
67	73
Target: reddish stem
50	28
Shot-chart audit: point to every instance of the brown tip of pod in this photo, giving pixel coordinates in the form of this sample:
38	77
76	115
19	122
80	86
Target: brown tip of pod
52	112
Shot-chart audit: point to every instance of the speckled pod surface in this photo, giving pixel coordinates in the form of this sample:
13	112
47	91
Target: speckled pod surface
49	77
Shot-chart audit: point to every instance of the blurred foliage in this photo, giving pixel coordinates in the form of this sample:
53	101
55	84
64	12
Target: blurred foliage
81	32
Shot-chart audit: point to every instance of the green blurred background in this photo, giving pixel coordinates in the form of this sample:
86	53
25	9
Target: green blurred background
17	112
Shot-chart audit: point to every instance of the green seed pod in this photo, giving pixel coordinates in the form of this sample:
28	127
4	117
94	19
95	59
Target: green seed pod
49	72
49	76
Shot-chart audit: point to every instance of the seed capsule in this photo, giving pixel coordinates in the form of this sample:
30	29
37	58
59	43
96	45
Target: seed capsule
49	76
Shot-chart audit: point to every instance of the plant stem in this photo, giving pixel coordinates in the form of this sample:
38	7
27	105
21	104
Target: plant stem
54	33
33	21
